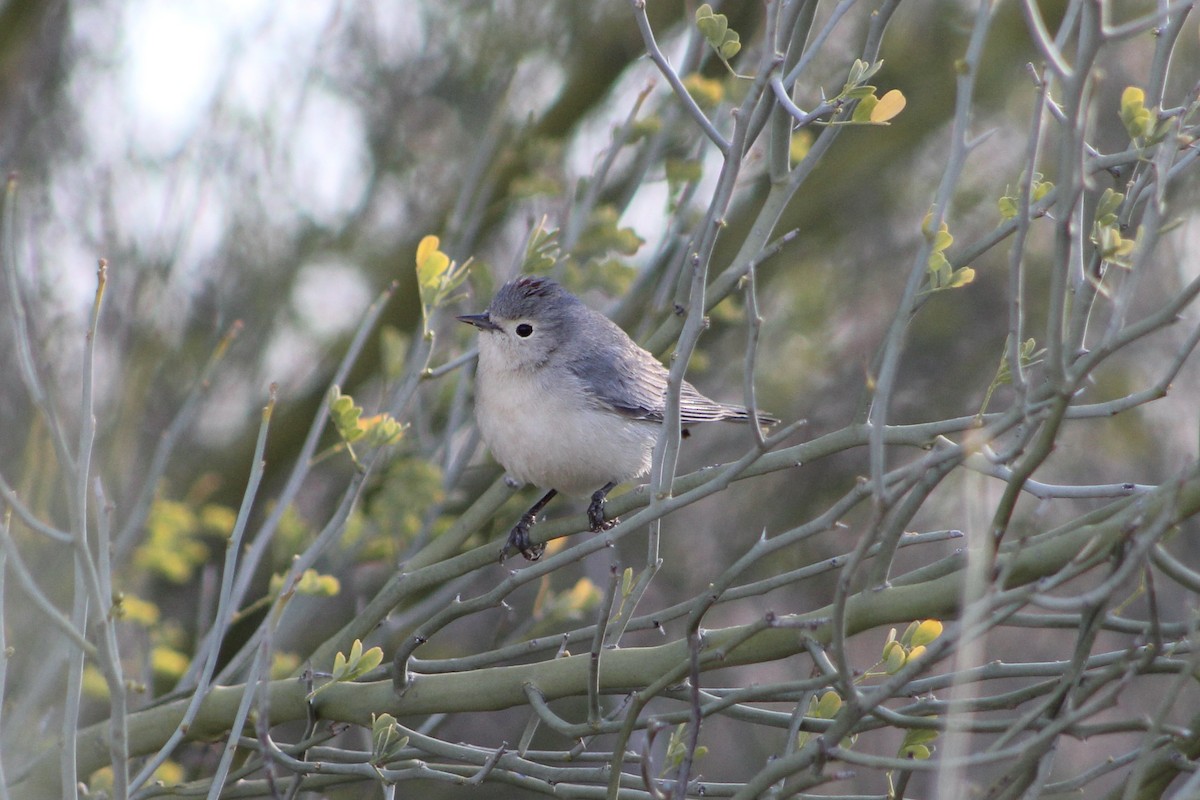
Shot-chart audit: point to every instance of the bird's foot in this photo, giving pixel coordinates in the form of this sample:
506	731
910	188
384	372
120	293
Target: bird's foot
596	520
519	541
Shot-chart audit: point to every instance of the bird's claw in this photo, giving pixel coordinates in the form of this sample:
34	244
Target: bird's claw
519	541
596	520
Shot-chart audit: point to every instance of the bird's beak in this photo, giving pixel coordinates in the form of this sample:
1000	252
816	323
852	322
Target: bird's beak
481	321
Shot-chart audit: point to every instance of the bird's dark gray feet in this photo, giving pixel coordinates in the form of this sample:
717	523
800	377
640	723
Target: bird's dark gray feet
519	541
518	538
596	520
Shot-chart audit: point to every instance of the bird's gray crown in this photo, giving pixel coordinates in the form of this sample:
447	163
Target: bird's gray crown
530	296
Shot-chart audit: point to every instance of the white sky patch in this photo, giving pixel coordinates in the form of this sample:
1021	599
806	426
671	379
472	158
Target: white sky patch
399	29
330	297
538	82
291	360
330	167
1189	248
174	52
273	57
648	210
223	415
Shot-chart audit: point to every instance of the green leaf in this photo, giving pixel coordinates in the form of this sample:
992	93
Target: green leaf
961	277
1010	203
715	30
541	251
1041	188
342	405
603	235
857	73
896	657
919	736
347	668
917	752
940	271
315	584
728	49
386	739
1008	207
712	26
1107	207
827	706
862	112
382	430
858	93
942	239
683	170
799	145
860	73
676	749
707	92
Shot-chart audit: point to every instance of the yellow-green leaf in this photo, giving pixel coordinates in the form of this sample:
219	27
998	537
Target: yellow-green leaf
917	752
895	660
142	612
942	239
1133	98
731	45
283	664
926	632
920	736
864	109
713	26
1008	207
94	684
683	170
1138	120
583	595
369	660
315	584
828	706
891	104
799	145
168	663
707	92
940	273
432	263
961	277
1106	208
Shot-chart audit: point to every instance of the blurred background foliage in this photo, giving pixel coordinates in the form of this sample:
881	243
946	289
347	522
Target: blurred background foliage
277	163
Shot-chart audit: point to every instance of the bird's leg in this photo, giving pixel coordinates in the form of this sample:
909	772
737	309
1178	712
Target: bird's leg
596	509
518	537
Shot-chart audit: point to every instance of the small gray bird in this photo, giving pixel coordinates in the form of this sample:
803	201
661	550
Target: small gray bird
568	402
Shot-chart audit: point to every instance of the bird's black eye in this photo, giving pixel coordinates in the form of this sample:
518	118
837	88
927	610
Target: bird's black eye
524	329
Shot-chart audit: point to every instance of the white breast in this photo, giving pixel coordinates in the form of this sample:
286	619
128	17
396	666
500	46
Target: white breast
547	433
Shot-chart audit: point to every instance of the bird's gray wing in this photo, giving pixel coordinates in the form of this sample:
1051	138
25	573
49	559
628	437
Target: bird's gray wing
615	372
625	378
